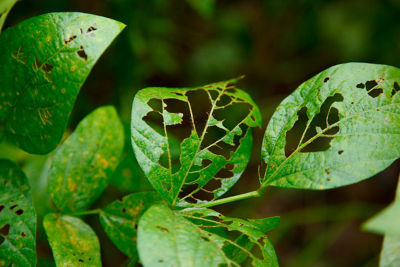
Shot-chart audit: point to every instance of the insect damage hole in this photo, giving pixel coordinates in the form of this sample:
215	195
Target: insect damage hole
69	39
303	130
82	54
369	86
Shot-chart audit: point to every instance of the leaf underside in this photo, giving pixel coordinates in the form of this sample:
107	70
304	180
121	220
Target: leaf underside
337	128
17	218
43	63
193	143
201	238
119	220
72	241
82	167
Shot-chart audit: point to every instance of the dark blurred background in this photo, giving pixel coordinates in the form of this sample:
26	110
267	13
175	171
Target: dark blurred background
277	44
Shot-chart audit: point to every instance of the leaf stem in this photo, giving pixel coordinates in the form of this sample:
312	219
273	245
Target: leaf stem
228	199
86	212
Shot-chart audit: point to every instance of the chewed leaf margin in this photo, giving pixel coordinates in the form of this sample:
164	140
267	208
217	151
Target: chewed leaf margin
193	151
350	115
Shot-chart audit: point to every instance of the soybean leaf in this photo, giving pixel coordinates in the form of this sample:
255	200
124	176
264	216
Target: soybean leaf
43	63
212	125
170	238
5	7
119	220
72	241
82	166
337	128
388	222
17	218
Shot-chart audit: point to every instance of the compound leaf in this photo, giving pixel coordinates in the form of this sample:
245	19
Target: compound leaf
338	128
43	63
82	166
17	218
187	238
193	143
72	241
120	218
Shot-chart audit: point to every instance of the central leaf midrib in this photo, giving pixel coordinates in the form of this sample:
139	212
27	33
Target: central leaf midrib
300	147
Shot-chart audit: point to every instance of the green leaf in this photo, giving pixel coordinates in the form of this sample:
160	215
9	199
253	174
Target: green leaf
356	107
212	125
17	218
170	238
387	222
82	166
119	220
5	8
72	241
44	61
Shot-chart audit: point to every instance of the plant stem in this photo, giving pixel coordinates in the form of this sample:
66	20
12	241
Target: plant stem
87	212
228	199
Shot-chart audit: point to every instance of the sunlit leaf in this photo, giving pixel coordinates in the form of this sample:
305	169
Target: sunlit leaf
17	218
43	63
338	128
193	143
82	167
119	220
203	7
186	238
72	241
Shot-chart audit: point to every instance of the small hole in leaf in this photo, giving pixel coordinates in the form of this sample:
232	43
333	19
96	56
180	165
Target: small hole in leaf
225	172
82	54
92	28
340	152
80	260
123	210
328	179
19	212
70	39
375	92
233	114
1	207
370	84
155	121
205	238
396	88
5	230
13	206
204	163
214	94
201	106
160	261
326	79
224	100
213	185
23	234
360	85
327	171
203	195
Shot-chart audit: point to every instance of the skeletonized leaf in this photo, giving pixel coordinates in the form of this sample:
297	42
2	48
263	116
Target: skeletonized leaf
193	143
119	220
72	241
337	128
17	218
170	238
43	63
82	166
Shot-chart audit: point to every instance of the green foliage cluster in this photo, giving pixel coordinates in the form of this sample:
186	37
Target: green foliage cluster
338	128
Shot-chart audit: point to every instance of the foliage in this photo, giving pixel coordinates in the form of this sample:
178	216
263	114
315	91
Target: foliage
338	128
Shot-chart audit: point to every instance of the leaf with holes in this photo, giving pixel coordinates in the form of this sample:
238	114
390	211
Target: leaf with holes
338	128
171	238
119	220
212	124
82	166
17	218
72	241
43	63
